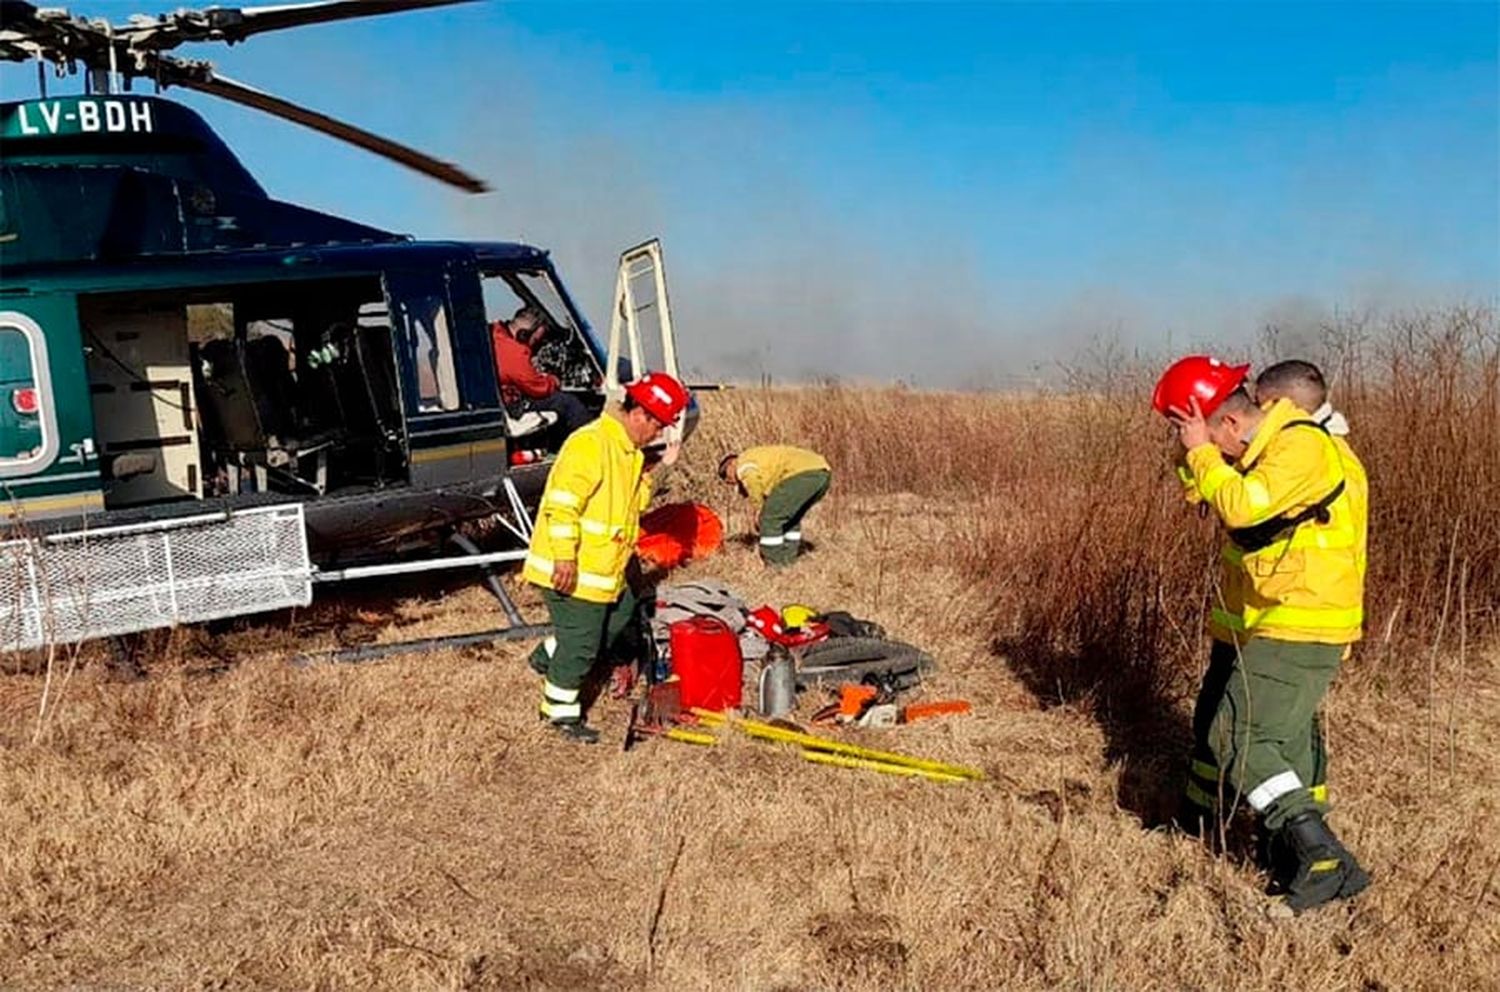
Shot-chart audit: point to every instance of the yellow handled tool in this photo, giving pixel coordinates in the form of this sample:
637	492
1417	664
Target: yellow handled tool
844	761
766	731
690	736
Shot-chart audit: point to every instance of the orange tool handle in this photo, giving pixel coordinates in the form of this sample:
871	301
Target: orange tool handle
918	711
853	699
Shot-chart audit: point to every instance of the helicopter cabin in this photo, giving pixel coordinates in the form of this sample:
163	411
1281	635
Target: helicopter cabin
207	394
331	372
171	334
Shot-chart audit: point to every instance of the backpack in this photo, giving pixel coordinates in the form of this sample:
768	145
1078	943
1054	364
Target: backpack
704	598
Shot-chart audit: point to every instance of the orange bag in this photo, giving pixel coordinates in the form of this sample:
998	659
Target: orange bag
679	532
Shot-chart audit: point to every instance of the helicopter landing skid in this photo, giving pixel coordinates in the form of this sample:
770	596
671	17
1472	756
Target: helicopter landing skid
376	652
516	629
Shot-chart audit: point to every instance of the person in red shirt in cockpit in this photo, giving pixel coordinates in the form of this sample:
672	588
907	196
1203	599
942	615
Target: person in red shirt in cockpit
522	385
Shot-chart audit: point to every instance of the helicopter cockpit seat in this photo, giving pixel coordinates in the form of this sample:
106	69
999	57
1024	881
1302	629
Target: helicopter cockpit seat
269	371
248	400
348	378
227	402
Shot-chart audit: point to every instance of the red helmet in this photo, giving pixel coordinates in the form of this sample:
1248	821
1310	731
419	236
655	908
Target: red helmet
659	395
1209	379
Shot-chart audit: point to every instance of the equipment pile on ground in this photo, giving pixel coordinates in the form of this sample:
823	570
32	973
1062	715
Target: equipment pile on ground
703	634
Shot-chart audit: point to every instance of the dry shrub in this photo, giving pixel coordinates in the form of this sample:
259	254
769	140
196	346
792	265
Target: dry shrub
1101	577
884	439
1423	393
1099	569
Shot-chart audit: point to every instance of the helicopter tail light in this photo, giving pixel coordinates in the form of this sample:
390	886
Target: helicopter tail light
24	400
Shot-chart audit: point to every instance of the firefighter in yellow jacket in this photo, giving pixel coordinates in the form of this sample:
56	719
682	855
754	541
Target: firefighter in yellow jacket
1290	603
782	482
585	535
1302	383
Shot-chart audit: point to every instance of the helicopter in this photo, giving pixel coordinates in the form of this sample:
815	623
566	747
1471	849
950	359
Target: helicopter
211	399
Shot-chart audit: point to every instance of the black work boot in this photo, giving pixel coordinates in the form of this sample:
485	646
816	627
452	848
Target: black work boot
1318	872
576	731
1280	862
1356	879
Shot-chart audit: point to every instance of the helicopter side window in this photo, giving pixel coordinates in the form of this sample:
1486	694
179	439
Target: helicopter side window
28	425
426	322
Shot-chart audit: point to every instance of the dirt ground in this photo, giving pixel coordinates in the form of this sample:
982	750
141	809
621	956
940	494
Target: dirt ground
238	822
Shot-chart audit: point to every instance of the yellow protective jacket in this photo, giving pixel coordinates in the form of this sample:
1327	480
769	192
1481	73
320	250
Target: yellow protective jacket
1356	482
1290	583
590	511
1358	485
764	468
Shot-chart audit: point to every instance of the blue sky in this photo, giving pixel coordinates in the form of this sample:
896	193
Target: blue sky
950	193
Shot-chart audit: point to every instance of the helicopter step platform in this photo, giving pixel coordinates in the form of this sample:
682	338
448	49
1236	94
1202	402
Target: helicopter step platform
79	585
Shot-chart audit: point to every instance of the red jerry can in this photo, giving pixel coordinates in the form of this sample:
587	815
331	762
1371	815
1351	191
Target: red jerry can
706	660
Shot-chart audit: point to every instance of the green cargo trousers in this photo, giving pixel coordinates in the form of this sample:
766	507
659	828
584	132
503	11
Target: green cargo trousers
583	631
1204	782
781	516
1263	732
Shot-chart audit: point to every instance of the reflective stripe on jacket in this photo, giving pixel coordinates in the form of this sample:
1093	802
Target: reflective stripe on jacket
590	511
764	468
1308	584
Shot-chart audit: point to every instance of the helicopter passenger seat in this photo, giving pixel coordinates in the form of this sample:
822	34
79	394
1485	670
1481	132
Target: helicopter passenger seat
275	389
351	370
228	403
249	400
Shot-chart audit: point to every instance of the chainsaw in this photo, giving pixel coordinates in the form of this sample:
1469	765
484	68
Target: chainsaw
873	704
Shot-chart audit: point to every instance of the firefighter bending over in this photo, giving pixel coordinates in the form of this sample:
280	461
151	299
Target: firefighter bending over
783	483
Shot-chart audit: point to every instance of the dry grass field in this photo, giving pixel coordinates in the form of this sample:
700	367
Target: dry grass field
236	822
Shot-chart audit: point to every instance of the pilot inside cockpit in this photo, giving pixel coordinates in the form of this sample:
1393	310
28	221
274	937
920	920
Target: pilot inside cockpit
524	387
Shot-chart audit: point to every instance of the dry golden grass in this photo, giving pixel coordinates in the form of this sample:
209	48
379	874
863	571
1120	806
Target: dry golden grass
234	822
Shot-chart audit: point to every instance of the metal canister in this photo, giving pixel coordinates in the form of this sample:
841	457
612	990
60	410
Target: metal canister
777	694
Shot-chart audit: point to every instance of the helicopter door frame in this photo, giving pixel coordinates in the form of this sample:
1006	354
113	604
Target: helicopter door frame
455	427
62	480
638	262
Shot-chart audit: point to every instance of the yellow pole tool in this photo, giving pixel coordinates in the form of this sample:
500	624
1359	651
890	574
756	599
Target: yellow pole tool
844	761
690	736
766	731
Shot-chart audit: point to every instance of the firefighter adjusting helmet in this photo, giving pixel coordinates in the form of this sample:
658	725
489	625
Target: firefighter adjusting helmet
659	395
1201	376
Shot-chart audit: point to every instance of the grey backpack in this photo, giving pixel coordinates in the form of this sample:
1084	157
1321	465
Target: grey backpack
705	598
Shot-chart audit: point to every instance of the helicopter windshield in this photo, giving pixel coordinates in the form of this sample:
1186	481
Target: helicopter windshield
543	290
563	351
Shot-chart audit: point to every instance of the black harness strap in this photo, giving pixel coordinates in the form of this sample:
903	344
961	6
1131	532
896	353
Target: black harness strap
1267	532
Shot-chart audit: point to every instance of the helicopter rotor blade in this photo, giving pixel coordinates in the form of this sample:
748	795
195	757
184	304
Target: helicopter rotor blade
232	24
201	77
292	15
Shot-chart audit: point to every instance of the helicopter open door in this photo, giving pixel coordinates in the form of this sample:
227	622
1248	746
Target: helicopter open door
641	319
